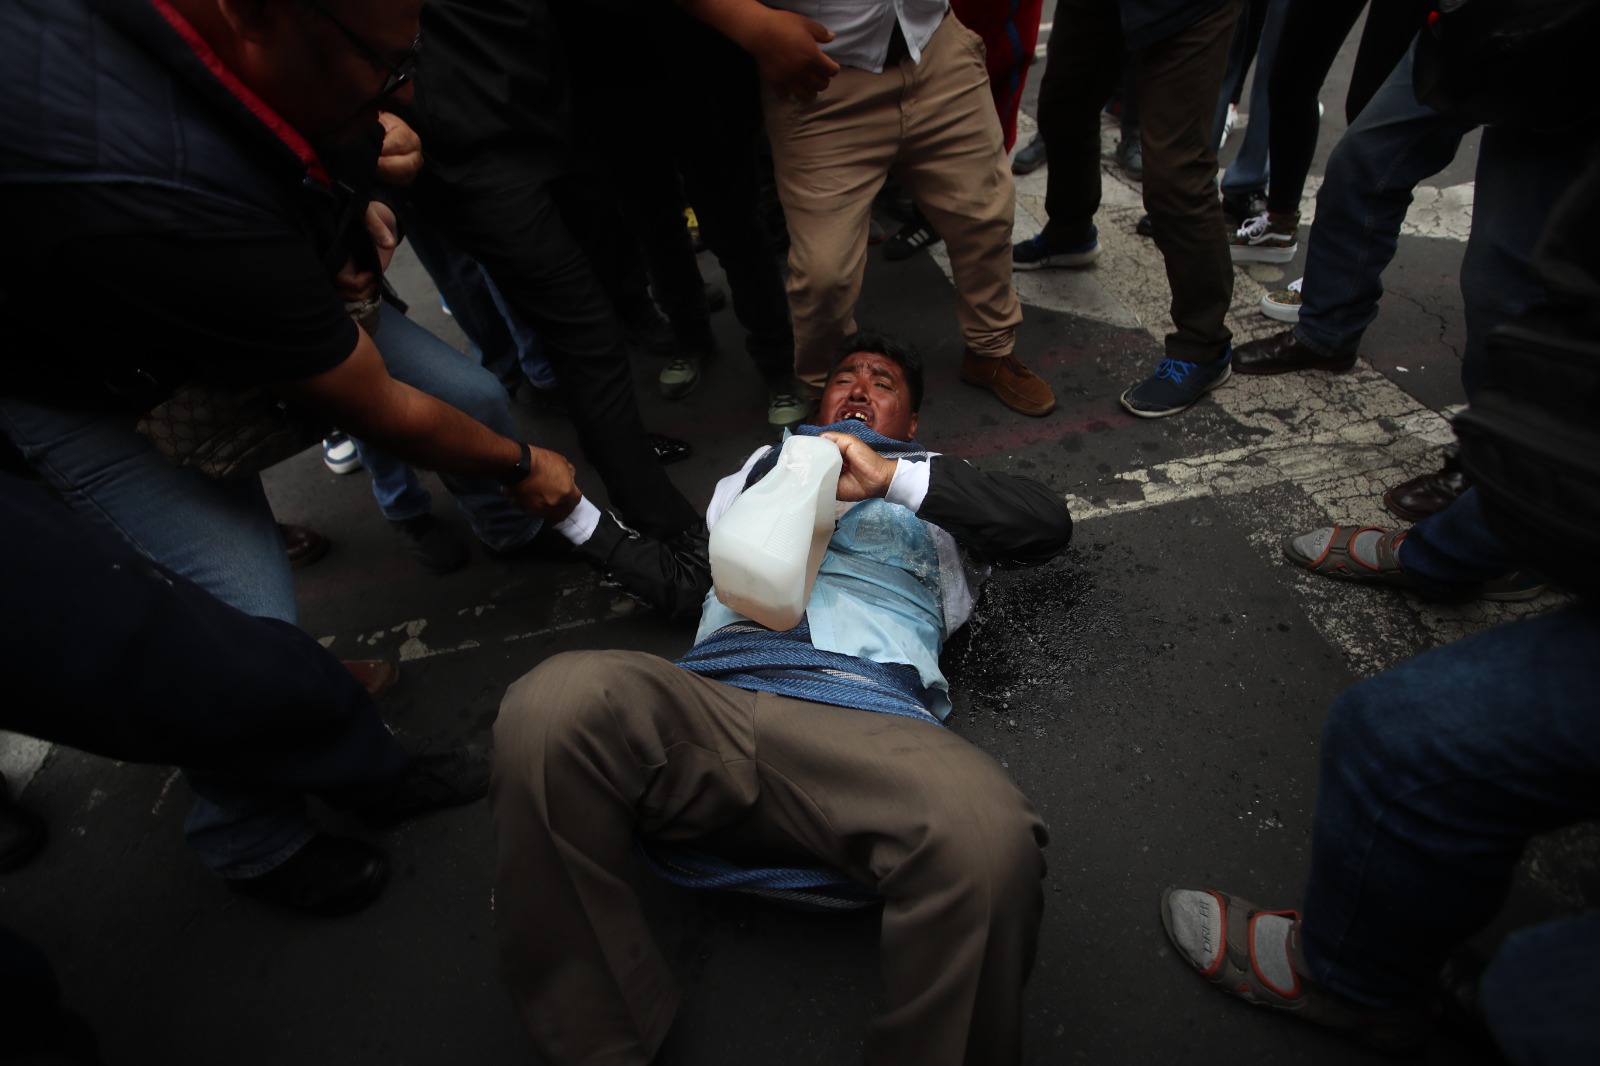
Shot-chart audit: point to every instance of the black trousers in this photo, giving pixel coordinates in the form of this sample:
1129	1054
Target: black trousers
671	113
1313	32
1176	85
504	210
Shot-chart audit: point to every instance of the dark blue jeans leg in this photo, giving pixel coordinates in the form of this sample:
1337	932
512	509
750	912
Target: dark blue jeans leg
1456	547
1539	993
1393	145
1521	174
256	710
423	361
1434	776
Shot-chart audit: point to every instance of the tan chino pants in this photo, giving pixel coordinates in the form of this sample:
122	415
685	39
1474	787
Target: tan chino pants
933	125
592	747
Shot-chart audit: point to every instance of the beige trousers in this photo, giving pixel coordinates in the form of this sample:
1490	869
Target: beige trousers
592	747
933	125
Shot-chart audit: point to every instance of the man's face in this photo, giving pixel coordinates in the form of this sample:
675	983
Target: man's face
326	62
870	388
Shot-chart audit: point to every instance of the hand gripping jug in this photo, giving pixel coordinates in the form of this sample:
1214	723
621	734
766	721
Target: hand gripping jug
766	549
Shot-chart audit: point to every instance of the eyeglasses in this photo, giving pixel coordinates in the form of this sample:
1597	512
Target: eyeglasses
399	73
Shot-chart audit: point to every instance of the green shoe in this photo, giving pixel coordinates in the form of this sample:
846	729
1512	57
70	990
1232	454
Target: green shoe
680	376
787	408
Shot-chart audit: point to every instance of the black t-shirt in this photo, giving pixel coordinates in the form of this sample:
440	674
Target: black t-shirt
121	292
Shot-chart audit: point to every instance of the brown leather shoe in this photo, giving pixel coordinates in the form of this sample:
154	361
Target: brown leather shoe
1283	352
1428	494
378	675
1017	387
303	546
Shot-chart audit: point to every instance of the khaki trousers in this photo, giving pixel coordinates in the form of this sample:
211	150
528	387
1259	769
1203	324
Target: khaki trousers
933	125
592	747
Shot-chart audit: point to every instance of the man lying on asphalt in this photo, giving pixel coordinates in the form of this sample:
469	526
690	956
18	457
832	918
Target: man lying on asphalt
765	743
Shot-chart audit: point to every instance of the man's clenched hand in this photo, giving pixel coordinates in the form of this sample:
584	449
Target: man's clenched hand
866	474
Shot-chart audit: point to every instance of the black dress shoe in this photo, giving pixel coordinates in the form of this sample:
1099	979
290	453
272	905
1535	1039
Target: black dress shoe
329	876
669	449
1428	494
1283	352
434	547
547	545
432	782
1031	157
303	546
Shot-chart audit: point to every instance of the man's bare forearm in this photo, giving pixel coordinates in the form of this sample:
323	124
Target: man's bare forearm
361	398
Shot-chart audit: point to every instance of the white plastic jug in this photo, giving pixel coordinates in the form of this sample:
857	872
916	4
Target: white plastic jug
766	549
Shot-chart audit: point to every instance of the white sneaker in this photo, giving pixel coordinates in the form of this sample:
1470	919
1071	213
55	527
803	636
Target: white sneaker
1283	305
339	452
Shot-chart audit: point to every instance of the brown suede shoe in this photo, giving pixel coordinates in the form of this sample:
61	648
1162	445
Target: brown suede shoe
378	675
1017	387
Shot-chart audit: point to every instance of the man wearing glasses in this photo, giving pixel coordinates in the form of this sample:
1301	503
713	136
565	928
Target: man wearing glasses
170	220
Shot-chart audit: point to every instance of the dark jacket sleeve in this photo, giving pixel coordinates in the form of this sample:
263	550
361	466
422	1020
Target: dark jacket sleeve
669	576
1012	521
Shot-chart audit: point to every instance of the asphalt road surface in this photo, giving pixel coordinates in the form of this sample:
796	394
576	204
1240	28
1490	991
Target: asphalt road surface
1158	693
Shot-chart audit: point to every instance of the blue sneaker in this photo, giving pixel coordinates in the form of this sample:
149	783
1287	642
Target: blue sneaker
1037	253
1176	385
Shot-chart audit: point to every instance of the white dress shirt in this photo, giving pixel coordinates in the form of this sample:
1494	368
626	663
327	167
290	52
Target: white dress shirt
862	28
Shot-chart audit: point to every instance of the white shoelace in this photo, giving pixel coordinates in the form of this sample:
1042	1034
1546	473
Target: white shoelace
1255	227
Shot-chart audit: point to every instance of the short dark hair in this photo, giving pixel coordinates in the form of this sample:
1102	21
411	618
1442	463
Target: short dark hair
892	348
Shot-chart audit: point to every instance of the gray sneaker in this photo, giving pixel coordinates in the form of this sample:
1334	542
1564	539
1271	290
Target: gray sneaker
680	376
787	407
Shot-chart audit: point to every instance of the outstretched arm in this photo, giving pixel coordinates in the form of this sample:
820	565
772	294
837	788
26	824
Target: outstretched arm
1013	521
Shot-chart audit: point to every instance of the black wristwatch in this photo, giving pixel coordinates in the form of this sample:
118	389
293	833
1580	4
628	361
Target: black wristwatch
523	468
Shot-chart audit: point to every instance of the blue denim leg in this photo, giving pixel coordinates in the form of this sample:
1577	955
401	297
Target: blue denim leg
464	286
1249	170
395	486
1539	993
1394	144
423	361
221	536
530	349
1456	547
1521	174
1434	776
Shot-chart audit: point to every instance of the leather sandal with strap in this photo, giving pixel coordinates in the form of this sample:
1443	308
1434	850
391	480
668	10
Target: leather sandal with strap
1232	964
1337	561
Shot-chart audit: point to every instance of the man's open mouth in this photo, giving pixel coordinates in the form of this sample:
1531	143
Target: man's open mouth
859	416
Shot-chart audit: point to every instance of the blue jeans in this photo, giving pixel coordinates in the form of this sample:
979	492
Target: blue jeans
1394	144
222	537
1249	170
1538	994
1433	776
1455	548
504	343
423	361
